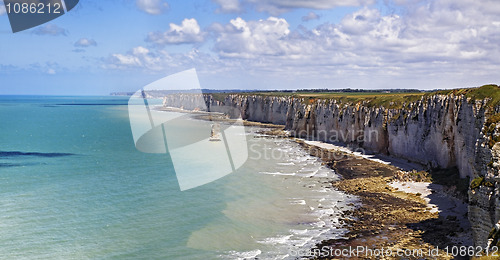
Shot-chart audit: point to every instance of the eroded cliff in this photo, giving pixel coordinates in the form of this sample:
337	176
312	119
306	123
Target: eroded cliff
438	130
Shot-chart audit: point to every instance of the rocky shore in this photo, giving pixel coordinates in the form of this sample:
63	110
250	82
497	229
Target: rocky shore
453	130
387	217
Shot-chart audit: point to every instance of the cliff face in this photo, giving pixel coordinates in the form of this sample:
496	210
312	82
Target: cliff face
441	131
484	201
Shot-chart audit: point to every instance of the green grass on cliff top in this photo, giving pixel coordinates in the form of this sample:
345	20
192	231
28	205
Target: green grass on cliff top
388	100
491	92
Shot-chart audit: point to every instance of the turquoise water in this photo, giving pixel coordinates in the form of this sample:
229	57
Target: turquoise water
73	186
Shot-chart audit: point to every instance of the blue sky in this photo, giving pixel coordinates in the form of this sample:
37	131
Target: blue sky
121	45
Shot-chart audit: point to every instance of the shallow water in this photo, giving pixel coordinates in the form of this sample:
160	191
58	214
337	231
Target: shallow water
73	186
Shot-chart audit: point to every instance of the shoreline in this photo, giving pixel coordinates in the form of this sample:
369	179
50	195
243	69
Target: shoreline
393	214
324	210
394	211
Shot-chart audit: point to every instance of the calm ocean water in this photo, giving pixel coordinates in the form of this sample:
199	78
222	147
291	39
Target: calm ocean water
73	186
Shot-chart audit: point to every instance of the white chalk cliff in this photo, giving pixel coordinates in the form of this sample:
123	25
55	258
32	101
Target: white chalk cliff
441	131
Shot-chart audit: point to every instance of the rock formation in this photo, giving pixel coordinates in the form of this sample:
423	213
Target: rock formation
440	131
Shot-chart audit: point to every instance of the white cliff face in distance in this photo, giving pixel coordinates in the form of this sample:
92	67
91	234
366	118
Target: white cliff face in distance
440	131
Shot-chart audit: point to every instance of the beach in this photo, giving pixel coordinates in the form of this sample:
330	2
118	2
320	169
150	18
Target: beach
308	204
390	210
393	215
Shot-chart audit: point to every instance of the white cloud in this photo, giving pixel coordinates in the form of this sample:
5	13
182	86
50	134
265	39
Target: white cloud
433	33
310	16
313	4
432	44
361	22
188	32
276	7
155	61
229	6
50	29
85	42
138	57
249	39
152	6
48	68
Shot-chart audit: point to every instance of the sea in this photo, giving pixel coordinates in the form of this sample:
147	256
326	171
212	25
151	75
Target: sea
74	186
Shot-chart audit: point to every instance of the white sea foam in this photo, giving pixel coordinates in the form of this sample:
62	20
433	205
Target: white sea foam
300	202
320	205
276	240
245	255
278	173
286	163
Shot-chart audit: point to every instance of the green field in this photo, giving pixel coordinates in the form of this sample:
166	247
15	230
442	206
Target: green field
376	99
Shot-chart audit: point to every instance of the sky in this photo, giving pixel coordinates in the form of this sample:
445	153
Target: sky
108	46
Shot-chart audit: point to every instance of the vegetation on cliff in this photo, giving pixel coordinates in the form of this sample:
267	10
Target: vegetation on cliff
490	92
368	99
480	181
388	99
490	129
494	236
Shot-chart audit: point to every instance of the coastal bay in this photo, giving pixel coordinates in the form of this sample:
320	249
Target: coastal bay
394	212
454	135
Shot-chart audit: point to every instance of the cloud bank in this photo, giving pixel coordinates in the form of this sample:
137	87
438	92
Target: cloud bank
438	41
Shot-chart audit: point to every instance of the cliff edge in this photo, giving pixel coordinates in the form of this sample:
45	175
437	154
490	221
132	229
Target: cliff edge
446	129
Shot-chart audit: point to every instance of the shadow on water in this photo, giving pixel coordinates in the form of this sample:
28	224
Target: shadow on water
20	159
18	154
8	165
